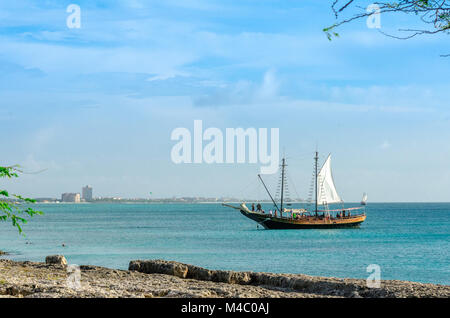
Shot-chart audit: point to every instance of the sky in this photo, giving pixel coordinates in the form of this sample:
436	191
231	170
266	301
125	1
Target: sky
97	104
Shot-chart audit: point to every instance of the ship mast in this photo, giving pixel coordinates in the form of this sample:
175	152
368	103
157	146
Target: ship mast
283	165
283	175
316	158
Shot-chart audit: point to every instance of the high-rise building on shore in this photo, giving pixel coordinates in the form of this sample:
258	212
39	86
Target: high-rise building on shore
71	197
86	193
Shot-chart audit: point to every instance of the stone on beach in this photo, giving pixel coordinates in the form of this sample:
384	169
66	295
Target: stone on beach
189	271
310	285
159	267
56	260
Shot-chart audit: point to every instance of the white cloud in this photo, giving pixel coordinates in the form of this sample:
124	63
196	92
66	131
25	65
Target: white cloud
269	87
385	145
82	60
163	77
393	98
243	92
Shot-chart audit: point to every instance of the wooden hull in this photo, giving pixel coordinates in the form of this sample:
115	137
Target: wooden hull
276	223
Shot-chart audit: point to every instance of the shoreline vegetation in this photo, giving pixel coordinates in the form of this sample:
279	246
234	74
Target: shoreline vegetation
159	278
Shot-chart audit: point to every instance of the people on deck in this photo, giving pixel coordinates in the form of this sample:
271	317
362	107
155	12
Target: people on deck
258	207
253	207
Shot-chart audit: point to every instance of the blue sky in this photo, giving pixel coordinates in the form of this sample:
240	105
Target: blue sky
97	105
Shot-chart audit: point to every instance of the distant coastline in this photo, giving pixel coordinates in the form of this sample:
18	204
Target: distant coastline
184	200
210	201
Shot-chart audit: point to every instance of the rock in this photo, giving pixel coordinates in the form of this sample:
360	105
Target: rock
199	273
56	260
288	282
87	267
190	271
12	291
3	253
159	267
37	280
355	294
230	277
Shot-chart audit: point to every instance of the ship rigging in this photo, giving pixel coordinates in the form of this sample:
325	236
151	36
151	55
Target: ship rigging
325	194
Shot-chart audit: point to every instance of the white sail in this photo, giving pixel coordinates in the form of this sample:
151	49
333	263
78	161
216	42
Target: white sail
326	190
364	199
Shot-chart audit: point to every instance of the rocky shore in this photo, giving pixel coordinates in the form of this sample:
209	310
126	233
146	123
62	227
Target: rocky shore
157	278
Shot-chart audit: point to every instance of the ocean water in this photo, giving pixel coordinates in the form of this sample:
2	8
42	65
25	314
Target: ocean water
409	241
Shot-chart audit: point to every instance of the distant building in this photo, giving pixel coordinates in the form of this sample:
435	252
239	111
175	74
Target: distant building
71	197
86	193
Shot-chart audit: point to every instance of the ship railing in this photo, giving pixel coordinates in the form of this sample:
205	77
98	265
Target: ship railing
309	214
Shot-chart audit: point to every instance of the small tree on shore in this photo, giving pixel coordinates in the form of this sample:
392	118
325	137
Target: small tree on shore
14	207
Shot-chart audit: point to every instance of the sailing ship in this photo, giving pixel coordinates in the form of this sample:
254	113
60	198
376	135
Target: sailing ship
364	199
321	217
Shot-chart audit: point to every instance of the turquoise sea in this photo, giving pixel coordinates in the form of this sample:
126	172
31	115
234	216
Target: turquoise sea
409	241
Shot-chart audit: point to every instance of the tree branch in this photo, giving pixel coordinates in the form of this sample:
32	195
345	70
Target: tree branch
435	13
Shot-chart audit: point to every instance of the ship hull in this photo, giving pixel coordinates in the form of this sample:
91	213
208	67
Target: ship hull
273	223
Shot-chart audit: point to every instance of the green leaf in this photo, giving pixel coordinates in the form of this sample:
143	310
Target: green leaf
10	210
